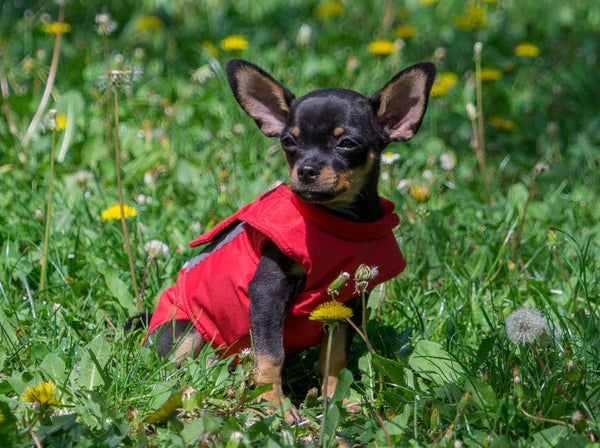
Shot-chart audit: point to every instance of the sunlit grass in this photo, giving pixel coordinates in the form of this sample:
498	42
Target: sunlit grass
439	367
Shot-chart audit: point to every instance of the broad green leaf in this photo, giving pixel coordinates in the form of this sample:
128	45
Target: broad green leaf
483	394
432	362
89	373
119	290
549	437
166	410
342	389
54	368
394	370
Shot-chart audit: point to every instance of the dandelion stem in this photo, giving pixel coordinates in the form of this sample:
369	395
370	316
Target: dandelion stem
325	384
138	303
361	334
49	82
517	237
364	319
48	215
108	96
150	260
548	372
35	437
480	140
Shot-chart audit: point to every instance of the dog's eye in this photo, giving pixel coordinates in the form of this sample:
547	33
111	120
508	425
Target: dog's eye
347	144
287	142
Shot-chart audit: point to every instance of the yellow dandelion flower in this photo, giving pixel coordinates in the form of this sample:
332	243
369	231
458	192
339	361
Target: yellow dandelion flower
503	124
382	47
474	18
56	27
444	83
28	65
43	394
114	212
148	24
60	122
329	9
210	48
490	74
421	193
405	32
527	50
331	311
234	43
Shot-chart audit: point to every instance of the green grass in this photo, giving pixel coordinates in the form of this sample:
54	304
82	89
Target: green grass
444	370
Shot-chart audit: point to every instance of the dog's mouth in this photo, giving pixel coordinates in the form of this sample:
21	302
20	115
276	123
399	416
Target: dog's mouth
316	196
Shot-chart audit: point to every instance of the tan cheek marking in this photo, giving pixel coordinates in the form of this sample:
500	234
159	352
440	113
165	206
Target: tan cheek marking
296	131
338	131
328	177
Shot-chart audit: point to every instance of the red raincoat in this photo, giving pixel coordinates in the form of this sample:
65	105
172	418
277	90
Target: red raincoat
212	289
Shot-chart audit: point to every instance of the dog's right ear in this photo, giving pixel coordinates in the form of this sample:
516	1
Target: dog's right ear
262	98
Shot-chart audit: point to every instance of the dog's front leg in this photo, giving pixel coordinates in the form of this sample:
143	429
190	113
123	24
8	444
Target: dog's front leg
277	281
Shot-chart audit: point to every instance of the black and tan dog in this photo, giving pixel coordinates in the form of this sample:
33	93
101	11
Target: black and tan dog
268	266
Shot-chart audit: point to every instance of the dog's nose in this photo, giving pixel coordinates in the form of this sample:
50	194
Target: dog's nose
308	173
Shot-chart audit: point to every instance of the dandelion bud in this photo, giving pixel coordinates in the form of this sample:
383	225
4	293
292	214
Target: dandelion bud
517	384
362	276
365	273
421	193
466	399
579	421
334	289
434	420
552	239
133	414
478	48
471	111
449	431
188	397
572	370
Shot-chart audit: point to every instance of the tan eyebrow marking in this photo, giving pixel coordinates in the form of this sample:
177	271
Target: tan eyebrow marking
296	131
338	131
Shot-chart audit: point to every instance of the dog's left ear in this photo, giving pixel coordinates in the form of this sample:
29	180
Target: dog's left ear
401	103
262	97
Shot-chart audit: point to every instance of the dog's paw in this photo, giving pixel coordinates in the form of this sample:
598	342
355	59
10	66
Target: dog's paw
277	402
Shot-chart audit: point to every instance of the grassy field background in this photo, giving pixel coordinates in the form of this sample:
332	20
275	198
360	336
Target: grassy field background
497	194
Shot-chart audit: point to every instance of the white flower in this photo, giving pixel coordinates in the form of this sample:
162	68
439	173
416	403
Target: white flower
404	186
156	249
303	36
388	157
525	326
448	161
82	177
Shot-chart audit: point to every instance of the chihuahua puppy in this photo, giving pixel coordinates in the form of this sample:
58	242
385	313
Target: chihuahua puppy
269	265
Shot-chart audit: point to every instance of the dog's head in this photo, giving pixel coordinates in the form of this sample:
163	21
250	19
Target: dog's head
333	138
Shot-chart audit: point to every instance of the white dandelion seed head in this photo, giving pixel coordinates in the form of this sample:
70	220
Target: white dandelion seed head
156	249
447	161
525	326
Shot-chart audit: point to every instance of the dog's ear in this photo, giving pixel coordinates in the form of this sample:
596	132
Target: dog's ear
262	98
401	103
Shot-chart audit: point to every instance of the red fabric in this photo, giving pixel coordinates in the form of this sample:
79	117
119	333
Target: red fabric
213	293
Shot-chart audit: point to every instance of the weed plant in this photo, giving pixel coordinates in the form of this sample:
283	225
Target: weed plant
498	198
